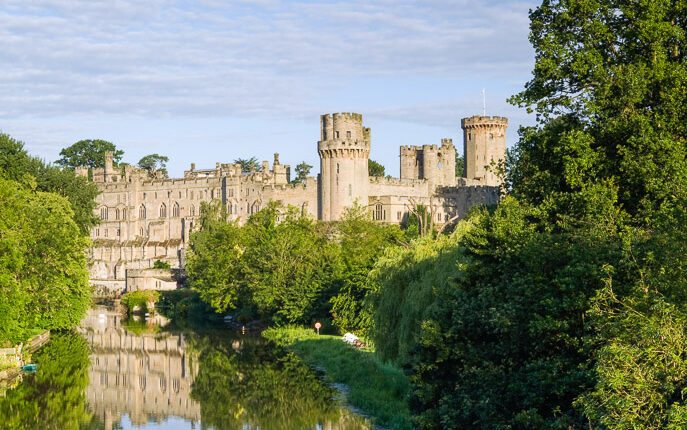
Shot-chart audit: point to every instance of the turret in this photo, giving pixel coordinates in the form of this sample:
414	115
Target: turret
344	150
484	140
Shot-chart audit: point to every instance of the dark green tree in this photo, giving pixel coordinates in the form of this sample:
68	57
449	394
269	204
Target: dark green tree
374	168
89	153
248	164
302	172
460	165
155	165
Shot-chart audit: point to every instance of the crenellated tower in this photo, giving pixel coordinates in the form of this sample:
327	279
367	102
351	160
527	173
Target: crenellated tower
344	150
484	140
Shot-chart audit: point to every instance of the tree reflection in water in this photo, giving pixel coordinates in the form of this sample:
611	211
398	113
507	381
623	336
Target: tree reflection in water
246	381
52	398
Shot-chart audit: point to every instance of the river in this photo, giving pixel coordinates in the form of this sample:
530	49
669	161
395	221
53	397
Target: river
143	373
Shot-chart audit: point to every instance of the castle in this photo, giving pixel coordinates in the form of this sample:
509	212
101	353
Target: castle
144	220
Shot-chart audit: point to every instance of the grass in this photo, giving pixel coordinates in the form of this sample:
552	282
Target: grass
378	389
140	299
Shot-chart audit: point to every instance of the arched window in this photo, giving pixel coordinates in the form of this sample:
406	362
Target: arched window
117	213
140	231
103	213
229	208
175	210
124	214
142	212
163	211
193	210
379	212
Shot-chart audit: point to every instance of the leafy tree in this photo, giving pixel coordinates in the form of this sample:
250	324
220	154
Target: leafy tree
460	165
17	165
249	164
89	153
374	168
302	172
159	264
155	165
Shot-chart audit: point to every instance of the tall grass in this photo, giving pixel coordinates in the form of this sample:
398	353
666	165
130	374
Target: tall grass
380	390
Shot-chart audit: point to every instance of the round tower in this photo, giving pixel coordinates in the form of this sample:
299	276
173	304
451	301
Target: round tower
484	140
344	149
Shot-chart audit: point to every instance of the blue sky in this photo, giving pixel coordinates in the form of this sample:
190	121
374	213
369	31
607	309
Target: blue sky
213	80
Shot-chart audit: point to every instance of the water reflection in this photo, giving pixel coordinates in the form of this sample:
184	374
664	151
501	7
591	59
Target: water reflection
138	371
142	374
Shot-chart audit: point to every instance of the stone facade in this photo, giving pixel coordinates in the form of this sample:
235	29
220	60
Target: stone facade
143	220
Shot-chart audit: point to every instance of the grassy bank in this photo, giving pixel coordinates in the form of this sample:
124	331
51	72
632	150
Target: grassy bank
378	389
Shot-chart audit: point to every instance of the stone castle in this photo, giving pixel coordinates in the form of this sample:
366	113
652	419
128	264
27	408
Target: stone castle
144	220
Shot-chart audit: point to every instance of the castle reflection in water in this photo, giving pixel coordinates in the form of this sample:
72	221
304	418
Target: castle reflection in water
147	376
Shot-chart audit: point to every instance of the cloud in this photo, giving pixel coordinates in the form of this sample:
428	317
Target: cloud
212	58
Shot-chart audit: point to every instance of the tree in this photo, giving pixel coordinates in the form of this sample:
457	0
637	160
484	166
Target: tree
374	168
302	172
460	165
17	165
155	165
89	153
248	164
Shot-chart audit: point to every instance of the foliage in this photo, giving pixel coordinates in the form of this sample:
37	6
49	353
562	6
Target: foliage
42	263
374	168
155	165
460	165
89	153
380	390
140	299
17	165
248	164
54	397
302	172
159	264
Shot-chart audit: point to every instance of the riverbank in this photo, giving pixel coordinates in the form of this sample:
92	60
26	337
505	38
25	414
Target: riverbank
11	368
378	389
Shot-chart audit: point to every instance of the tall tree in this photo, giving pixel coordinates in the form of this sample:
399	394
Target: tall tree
302	172
460	165
89	153
374	168
248	164
155	165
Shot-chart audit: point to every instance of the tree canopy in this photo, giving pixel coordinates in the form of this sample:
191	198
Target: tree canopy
248	164
374	168
89	153
302	172
155	165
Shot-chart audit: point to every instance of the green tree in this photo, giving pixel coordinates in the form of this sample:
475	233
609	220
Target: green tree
89	153
17	165
460	165
374	168
302	172
155	165
248	164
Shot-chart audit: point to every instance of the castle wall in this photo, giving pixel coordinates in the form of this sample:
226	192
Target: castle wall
484	142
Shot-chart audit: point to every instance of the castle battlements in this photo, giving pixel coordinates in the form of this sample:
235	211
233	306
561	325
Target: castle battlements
489	121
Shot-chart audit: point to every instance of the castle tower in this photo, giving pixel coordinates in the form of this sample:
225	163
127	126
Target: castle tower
484	140
344	149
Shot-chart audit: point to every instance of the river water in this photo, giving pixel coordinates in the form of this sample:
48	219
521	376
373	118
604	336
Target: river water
115	373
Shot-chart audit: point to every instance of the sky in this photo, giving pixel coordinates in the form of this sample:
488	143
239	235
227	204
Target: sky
214	80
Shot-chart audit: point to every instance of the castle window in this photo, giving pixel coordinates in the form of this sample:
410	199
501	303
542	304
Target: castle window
398	216
469	136
337	167
163	211
169	194
193	210
175	210
142	212
336	134
379	212
141	232
116	214
348	134
119	232
231	192
179	194
491	135
97	232
155	194
229	208
212	194
439	165
103	213
105	232
124	213
236	208
144	196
